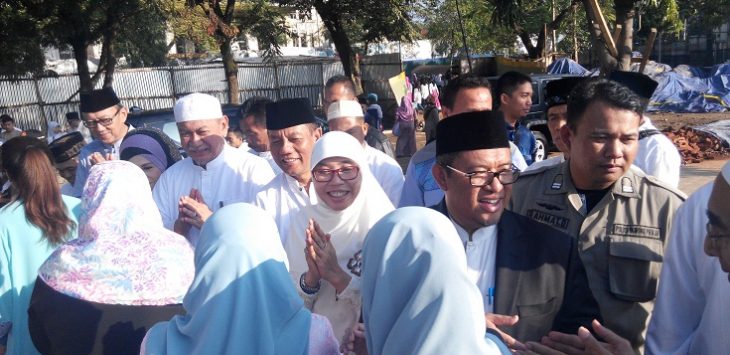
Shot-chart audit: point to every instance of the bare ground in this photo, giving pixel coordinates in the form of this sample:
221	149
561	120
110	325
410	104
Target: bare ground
677	120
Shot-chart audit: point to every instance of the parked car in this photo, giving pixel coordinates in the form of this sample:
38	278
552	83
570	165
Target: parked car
536	120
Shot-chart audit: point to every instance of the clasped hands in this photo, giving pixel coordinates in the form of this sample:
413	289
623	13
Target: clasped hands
321	258
192	211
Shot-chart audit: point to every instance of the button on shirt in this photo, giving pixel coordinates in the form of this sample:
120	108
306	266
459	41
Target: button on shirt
481	257
233	176
283	197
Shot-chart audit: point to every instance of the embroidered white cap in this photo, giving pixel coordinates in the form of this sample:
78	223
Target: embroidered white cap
726	172
197	106
344	108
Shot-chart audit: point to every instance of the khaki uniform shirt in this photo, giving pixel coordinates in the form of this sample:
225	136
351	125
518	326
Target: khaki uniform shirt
621	240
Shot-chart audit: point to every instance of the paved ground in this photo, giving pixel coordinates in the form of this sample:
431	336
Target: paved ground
693	176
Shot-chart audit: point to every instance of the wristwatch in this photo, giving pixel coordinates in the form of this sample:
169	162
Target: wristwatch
308	290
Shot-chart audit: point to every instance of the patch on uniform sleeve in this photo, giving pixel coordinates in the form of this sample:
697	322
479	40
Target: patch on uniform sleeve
557	182
633	230
549	219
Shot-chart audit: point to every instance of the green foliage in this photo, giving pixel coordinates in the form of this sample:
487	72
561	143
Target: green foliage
20	43
440	24
149	23
189	23
662	15
264	21
707	14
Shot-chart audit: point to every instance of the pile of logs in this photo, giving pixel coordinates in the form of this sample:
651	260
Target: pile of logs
695	146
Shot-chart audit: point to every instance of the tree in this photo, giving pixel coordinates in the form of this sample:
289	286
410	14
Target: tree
224	25
625	12
20	42
705	15
376	21
529	19
441	26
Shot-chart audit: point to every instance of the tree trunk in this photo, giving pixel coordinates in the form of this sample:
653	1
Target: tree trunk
109	58
533	52
79	48
231	71
606	61
625	14
336	29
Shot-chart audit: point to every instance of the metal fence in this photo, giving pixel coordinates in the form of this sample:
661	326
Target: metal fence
35	101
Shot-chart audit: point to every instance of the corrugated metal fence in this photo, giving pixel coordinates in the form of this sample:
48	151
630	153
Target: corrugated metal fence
33	102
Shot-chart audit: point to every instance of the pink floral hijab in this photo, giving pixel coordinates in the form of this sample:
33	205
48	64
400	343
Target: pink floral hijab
123	254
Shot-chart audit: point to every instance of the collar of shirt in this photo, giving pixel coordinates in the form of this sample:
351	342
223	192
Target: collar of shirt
217	161
478	237
296	188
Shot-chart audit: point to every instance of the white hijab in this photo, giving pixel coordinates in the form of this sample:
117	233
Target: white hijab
349	226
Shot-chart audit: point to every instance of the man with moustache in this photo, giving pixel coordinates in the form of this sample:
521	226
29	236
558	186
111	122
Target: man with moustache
620	217
292	131
213	175
464	94
530	276
106	118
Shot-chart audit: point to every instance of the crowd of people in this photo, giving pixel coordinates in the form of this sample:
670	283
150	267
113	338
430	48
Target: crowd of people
278	238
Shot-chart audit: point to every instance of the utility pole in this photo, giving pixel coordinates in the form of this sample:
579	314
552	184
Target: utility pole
463	35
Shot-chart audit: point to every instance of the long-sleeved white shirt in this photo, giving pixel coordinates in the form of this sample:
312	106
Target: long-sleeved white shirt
691	312
233	176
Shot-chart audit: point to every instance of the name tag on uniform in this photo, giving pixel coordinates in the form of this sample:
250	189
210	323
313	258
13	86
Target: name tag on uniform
549	219
633	230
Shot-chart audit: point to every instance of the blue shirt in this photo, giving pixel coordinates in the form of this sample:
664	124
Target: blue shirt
523	138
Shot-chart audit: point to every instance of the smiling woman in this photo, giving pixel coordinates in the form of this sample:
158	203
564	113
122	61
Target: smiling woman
151	150
331	231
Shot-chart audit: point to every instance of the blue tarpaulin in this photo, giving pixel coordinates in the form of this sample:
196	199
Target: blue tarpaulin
566	66
692	89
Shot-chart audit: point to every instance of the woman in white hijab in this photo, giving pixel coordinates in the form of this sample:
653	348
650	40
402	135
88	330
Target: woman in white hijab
417	298
241	300
325	236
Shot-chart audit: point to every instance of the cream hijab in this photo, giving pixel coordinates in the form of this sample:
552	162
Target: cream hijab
349	226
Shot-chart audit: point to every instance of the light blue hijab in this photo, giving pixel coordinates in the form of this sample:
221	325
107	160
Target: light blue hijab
416	296
242	300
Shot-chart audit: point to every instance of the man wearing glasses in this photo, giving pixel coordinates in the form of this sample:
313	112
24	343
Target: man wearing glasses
531	278
619	216
106	118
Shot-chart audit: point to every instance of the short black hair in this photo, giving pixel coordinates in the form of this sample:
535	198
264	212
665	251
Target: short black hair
340	79
236	131
451	90
606	91
447	159
509	82
6	118
256	107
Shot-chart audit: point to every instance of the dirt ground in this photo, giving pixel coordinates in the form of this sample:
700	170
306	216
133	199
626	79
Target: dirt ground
677	120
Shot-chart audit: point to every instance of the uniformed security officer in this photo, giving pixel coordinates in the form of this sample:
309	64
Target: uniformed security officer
620	216
657	155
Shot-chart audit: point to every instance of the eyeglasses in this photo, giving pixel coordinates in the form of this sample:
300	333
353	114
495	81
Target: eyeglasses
484	178
345	173
106	122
